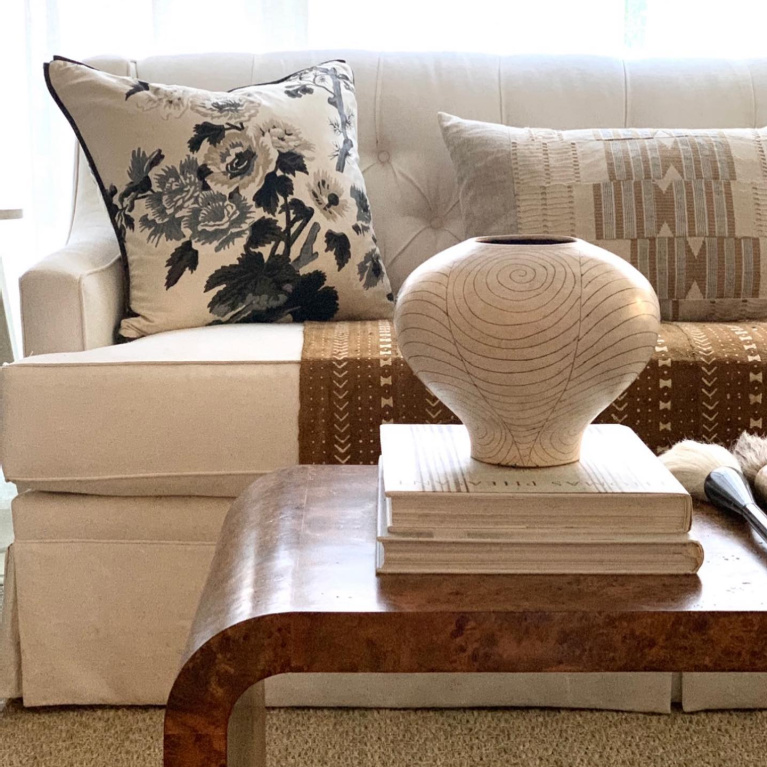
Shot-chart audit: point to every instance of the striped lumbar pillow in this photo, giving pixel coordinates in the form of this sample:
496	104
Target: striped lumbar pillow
688	208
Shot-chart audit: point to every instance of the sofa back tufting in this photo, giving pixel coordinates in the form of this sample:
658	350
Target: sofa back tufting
407	169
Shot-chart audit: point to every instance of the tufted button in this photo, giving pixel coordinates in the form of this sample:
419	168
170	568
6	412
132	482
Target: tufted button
437	223
383	157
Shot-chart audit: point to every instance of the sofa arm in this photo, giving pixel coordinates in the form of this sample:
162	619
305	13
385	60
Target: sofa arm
73	299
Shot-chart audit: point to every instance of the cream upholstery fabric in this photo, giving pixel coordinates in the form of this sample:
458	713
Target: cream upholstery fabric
79	289
105	597
10	641
649	692
124	589
73	299
202	411
701	692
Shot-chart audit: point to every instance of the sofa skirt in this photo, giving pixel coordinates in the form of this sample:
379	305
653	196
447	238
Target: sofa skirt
100	596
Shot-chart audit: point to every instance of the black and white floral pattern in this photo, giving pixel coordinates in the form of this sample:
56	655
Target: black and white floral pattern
233	109
282	198
170	101
328	196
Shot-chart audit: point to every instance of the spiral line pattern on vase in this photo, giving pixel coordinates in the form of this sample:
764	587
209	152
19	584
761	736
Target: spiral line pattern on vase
526	343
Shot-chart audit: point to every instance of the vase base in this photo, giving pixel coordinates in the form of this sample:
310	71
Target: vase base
526	464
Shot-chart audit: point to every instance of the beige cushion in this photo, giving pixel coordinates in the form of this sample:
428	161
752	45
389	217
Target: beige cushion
241	206
190	412
686	207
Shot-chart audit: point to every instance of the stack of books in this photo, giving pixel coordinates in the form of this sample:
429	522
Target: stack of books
618	510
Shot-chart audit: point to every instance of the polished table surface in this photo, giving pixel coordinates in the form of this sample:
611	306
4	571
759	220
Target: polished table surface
293	588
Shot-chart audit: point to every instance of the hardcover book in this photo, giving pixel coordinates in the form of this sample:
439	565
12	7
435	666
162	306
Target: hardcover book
619	487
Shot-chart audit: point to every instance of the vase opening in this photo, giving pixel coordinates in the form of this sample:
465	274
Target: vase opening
525	239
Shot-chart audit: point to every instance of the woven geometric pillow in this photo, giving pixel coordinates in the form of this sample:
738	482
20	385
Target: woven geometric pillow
688	208
246	206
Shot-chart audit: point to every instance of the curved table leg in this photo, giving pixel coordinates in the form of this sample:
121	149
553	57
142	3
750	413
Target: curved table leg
246	736
218	696
215	739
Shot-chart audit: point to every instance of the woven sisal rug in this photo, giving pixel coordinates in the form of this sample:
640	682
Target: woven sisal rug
132	737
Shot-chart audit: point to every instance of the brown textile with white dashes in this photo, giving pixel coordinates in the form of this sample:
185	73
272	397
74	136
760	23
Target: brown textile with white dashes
705	381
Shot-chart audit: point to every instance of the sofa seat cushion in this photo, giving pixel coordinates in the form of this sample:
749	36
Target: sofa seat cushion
205	411
200	411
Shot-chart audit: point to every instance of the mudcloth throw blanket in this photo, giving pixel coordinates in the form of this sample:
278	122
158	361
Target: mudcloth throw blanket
705	381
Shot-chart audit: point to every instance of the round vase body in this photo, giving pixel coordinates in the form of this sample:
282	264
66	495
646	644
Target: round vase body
526	339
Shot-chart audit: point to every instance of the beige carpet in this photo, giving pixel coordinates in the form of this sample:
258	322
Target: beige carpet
124	737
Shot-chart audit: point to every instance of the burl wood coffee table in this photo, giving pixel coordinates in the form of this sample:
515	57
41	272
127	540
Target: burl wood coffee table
293	588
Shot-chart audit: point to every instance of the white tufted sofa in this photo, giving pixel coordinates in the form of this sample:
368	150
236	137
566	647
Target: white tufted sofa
131	454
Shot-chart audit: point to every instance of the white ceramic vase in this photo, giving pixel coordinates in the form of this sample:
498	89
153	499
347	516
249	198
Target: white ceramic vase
526	340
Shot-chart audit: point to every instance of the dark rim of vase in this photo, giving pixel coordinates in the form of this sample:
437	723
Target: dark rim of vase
525	239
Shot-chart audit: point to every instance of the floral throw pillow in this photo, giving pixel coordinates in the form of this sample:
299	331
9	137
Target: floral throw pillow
245	206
